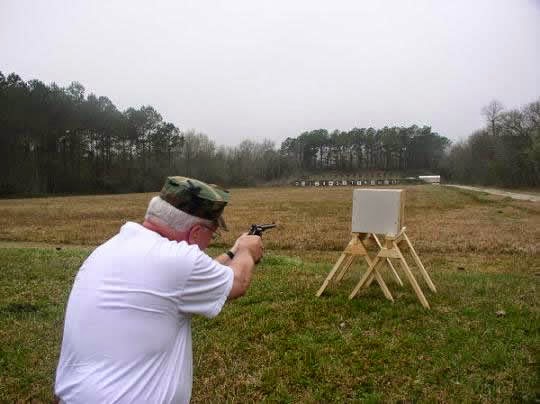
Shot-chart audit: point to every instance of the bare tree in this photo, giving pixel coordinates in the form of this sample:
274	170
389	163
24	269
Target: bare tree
492	113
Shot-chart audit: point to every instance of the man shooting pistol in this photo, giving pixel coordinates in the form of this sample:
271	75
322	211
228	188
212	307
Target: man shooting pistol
127	332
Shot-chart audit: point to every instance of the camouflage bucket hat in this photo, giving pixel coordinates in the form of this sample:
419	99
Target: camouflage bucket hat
197	198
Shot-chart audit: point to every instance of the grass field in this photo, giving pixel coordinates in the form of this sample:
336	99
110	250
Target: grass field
280	343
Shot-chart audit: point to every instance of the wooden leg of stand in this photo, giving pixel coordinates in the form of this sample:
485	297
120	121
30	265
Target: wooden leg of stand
370	274
368	282
346	267
394	272
331	274
398	279
411	277
365	277
371	277
420	265
383	286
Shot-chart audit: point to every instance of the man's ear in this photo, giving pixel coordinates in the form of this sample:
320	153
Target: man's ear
194	235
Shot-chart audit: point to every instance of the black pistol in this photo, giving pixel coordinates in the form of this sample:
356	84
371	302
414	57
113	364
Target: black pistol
258	229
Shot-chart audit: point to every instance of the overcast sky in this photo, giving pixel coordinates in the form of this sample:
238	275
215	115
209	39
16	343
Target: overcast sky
240	69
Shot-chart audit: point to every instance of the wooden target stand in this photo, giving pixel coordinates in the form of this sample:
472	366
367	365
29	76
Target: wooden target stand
388	250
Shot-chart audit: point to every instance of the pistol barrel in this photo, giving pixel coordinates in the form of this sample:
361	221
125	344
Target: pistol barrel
258	229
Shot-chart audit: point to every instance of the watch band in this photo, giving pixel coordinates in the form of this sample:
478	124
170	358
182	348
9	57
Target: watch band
230	254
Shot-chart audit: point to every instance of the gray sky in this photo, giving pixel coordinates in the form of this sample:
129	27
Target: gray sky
240	69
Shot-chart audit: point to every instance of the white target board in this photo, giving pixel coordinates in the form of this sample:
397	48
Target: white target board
379	211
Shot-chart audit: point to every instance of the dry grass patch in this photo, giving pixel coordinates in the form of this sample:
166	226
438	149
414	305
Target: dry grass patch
439	219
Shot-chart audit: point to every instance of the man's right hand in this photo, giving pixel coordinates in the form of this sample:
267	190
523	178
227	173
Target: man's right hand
250	244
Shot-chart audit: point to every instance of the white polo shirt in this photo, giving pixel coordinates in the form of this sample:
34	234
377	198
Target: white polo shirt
127	332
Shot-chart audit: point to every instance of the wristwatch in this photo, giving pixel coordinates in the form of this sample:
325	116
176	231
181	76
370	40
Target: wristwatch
230	254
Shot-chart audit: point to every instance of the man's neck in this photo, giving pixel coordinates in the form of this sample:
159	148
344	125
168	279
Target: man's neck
164	231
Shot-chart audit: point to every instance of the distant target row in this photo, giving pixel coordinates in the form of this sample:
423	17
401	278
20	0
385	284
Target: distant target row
340	183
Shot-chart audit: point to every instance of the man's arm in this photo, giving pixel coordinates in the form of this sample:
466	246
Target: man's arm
247	252
242	265
224	259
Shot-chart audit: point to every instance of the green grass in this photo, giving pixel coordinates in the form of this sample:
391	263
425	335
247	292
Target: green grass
281	343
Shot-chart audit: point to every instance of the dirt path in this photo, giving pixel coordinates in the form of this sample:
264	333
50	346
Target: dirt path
513	195
39	244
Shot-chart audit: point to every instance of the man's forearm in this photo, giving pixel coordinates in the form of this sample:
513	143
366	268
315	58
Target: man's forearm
242	266
224	258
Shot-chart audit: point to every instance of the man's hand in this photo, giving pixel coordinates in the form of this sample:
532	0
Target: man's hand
251	244
234	248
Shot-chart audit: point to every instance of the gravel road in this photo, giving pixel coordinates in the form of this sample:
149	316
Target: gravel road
513	195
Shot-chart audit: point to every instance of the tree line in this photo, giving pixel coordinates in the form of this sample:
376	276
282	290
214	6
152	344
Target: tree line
506	152
59	140
365	149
